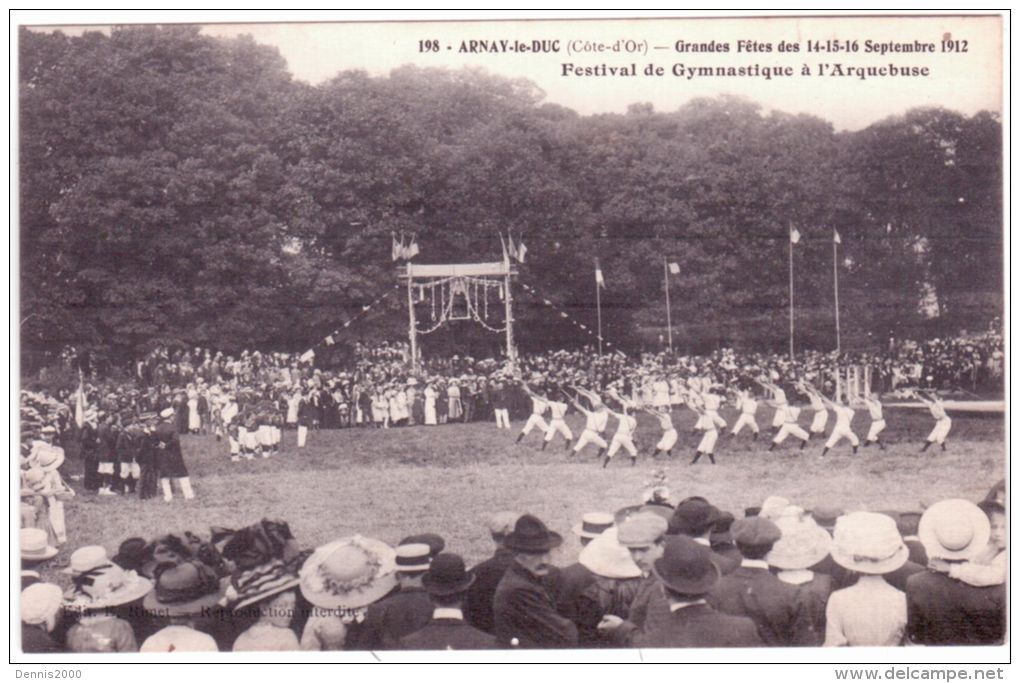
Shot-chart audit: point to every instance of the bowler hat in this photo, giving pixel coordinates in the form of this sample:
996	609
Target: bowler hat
693	517
447	575
530	535
686	566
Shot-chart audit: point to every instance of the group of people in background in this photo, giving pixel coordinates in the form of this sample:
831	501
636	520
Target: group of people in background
653	574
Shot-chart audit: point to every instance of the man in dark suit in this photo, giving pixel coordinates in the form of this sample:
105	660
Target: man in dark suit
688	575
524	613
446	583
696	518
777	608
488	574
404	612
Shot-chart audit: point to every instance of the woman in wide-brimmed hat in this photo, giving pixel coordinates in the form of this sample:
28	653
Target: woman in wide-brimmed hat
99	586
955	532
267	592
870	612
182	592
617	580
341	579
802	545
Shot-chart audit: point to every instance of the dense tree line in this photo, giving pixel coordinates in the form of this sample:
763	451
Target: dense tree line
177	188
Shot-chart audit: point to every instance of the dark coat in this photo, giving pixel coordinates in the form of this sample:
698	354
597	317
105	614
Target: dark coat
488	574
918	555
778	610
169	458
395	617
944	611
448	634
524	610
699	626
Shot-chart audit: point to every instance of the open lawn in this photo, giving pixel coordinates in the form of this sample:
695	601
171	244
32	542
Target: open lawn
448	479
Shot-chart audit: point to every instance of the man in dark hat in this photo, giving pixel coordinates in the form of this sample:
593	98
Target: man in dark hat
524	613
783	618
446	583
696	518
489	573
688	575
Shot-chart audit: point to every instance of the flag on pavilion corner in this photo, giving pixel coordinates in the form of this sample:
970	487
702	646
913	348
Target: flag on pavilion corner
599	280
521	251
836	238
674	268
506	253
398	247
412	250
794	235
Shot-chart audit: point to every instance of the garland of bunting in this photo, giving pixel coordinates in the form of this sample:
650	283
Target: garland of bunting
566	316
330	339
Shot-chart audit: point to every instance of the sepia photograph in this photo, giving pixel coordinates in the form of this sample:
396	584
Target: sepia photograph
564	338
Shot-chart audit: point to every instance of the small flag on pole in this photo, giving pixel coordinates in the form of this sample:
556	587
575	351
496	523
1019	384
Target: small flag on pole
599	279
674	268
329	340
506	254
307	356
794	235
412	250
521	251
398	247
836	238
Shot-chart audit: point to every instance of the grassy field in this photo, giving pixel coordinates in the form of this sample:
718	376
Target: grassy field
448	479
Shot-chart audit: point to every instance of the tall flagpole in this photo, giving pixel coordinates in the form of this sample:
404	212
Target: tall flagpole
669	320
790	241
835	280
598	306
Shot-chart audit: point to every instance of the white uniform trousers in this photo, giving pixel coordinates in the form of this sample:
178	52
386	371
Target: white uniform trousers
558	425
707	443
842	433
818	421
715	419
535	420
790	428
590	436
877	426
779	418
745	420
667	441
502	418
621	440
302	435
941	430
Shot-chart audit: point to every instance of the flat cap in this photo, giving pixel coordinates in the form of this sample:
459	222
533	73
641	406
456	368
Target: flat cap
755	531
641	530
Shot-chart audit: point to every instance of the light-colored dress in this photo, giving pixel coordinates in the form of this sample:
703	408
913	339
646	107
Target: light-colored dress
871	613
453	394
430	405
264	637
194	419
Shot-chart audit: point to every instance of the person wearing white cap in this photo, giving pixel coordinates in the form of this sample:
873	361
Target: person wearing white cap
624	436
557	411
945	611
40	611
790	426
874	407
778	400
748	407
942	421
595	421
539	404
821	415
842	429
644	536
669	434
870	612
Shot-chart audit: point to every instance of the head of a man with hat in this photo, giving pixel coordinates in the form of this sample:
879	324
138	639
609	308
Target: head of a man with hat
532	543
592	525
447	581
644	536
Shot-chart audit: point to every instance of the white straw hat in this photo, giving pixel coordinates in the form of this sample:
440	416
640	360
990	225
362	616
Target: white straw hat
953	529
